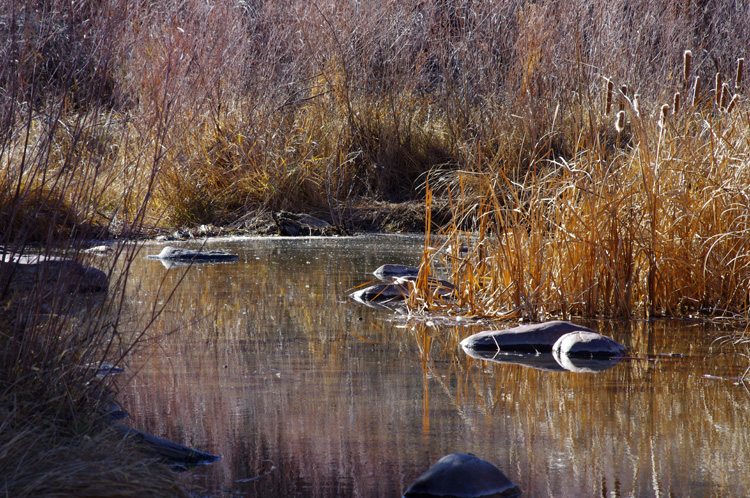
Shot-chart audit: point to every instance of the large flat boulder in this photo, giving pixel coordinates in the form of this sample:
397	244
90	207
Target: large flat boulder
530	338
462	475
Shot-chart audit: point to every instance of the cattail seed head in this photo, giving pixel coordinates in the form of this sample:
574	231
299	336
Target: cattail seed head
620	122
696	90
687	58
724	96
738	77
732	103
663	115
624	91
608	104
717	88
676	103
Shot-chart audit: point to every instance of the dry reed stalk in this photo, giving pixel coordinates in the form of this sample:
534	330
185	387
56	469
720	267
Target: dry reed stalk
738	75
636	106
724	101
732	104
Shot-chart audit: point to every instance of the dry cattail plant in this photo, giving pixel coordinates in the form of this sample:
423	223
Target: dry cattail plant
676	103
696	90
636	106
624	91
608	101
732	104
620	122
687	58
717	89
663	115
724	102
738	76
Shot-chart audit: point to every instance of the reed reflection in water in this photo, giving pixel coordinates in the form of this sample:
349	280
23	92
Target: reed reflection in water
266	362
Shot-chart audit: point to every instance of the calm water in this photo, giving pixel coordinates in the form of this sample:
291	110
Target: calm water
303	392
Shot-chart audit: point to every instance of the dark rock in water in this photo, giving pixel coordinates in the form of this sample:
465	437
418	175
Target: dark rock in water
175	455
531	338
51	274
398	290
190	256
585	344
291	224
462	475
381	293
50	284
386	272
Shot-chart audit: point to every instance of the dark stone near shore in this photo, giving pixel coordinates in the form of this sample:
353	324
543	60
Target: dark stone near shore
291	224
48	284
191	256
50	274
462	475
175	455
387	272
531	338
585	344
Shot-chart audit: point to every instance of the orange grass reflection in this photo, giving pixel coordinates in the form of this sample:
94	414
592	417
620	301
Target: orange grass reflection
302	391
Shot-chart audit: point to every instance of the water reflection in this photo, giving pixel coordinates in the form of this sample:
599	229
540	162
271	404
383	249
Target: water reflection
266	362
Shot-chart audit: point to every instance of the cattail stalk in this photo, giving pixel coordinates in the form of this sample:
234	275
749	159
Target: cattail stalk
687	58
676	103
738	77
724	96
717	88
696	90
608	104
624	91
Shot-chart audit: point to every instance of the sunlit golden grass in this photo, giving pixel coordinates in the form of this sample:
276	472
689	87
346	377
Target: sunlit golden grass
659	225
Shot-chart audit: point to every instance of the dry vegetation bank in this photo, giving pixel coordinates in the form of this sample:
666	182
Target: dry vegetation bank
122	115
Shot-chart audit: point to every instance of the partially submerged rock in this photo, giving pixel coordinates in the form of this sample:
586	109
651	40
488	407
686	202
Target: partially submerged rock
178	256
381	293
585	344
175	455
531	338
462	475
388	271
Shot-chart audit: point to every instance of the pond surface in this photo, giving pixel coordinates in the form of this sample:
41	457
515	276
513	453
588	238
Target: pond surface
303	392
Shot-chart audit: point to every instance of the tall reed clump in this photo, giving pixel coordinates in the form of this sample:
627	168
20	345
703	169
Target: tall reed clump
71	170
657	225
